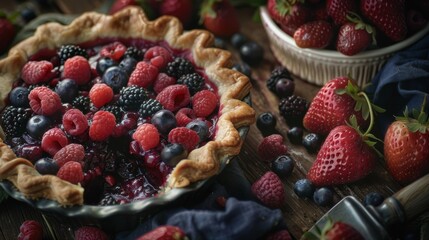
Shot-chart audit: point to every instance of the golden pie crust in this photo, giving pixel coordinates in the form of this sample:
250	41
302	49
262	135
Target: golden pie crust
131	22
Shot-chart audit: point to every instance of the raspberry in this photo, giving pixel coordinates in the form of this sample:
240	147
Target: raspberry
78	69
35	72
14	120
271	147
30	229
185	116
158	56
143	75
53	140
130	98
162	81
72	152
269	190
100	94
102	125
164	232
71	172
75	122
178	67
279	235
174	97
90	233
149	107
185	136
68	51
204	103
44	101
114	51
194	81
147	135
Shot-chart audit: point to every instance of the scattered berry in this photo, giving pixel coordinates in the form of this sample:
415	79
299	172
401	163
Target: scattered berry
158	56
30	230
279	235
19	97
162	81
194	82
295	134
113	50
204	103
130	98
147	135
144	75
44	101
252	53
46	165
244	68
72	152
283	166
373	198
90	233
266	123
178	67
172	153
174	97
303	188
237	40
53	140
38	125
14	120
69	51
312	142
323	196
277	74
102	125
100	94
35	72
271	147
116	78
269	190
164	120
285	87
164	232
67	89
184	136
74	122
293	109
78	69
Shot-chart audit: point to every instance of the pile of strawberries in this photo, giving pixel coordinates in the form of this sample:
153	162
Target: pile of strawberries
349	26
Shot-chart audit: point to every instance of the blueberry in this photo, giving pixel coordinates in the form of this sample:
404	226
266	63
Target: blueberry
172	153
164	120
38	125
323	196
252	53
128	64
312	142
373	198
28	14
116	78
266	123
237	40
244	68
285	87
220	43
104	63
67	89
283	165
19	97
46	166
200	127
304	188
295	135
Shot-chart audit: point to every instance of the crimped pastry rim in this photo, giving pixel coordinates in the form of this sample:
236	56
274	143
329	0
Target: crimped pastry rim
132	23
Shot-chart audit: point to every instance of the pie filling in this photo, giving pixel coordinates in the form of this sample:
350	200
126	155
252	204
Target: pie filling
140	109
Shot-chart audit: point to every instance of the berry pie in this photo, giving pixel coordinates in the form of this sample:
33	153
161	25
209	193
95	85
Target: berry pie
113	109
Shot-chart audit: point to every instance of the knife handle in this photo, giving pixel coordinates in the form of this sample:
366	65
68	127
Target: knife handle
414	198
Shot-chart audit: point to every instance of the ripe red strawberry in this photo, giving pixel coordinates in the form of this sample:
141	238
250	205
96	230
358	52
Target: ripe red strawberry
182	9
165	232
333	105
8	32
388	16
269	190
354	36
220	17
345	157
288	16
314	34
338	10
335	231
406	147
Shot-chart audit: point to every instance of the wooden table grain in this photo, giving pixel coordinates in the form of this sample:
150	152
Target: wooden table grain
299	214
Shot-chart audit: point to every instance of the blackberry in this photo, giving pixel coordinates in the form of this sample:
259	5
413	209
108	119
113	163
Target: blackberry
276	74
194	82
130	98
149	107
14	120
108	200
293	109
133	52
178	67
116	110
68	51
83	103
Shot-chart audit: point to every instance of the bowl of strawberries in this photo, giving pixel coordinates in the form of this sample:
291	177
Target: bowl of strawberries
319	40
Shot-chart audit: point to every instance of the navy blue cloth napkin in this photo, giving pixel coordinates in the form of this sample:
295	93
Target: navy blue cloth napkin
402	81
241	218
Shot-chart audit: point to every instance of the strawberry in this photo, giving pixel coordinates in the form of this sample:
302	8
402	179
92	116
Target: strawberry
289	14
338	10
406	146
219	17
314	34
334	231
182	9
8	32
388	16
164	232
346	156
333	105
354	36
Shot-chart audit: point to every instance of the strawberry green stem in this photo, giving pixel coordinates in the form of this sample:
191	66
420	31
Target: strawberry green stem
371	113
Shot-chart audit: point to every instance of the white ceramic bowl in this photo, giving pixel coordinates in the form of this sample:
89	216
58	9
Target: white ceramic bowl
318	66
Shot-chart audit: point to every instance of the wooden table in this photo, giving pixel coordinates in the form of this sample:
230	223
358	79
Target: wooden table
299	214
